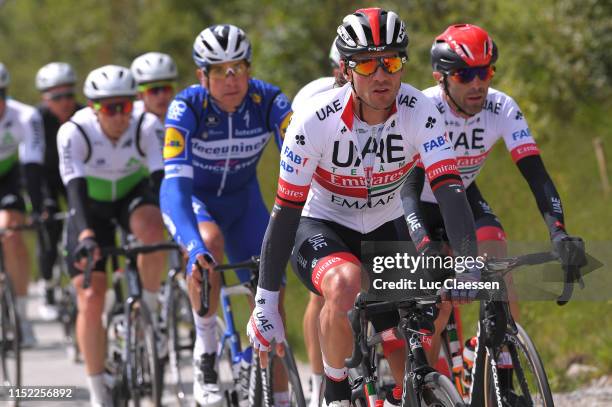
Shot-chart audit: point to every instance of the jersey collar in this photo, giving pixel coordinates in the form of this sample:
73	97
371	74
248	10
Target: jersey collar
348	114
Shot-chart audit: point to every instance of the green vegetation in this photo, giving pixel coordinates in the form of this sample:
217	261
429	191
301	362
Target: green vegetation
555	61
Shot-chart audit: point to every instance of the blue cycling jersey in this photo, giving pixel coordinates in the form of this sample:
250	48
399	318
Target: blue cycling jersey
211	153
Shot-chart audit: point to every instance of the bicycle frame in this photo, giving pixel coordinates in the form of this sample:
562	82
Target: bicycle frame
231	334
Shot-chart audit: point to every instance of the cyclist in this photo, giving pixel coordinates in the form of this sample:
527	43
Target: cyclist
155	74
21	141
111	165
55	82
315	302
318	164
476	117
216	132
322	84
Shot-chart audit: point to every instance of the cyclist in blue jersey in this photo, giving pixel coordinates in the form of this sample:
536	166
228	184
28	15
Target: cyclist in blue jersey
216	132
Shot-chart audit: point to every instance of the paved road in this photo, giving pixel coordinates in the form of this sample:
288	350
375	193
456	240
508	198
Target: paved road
48	364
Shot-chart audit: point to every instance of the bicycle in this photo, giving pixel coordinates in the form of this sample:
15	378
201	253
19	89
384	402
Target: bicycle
512	341
499	333
177	321
256	381
132	341
10	335
422	385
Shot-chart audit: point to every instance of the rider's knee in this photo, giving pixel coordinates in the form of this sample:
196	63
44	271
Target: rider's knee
340	286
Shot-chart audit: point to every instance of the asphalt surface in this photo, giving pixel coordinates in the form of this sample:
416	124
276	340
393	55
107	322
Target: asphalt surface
49	364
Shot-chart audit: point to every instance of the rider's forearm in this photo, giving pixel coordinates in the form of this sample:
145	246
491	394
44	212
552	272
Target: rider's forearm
458	219
277	244
34	177
175	203
544	191
411	198
76	191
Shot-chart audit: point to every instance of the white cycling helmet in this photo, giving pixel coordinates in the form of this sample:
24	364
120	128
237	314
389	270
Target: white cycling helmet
54	74
109	81
5	78
221	43
152	67
334	55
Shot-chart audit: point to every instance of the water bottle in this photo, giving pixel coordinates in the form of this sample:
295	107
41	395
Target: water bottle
469	355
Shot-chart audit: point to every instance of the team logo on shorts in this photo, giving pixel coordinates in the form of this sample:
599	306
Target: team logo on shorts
174	143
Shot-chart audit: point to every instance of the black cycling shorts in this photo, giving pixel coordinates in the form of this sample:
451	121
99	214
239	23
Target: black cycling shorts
104	218
317	241
10	191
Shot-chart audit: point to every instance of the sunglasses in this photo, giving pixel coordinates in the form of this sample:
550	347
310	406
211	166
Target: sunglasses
367	67
60	95
111	109
156	88
467	75
220	72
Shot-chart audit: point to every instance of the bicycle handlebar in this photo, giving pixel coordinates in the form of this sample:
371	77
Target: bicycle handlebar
571	273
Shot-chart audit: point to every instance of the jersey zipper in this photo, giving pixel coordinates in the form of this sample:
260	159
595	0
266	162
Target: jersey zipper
229	153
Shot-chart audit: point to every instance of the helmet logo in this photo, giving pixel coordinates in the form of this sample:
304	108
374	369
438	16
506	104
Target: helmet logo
402	33
346	37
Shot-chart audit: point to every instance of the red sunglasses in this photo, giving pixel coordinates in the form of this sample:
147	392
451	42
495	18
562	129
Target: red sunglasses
467	75
110	109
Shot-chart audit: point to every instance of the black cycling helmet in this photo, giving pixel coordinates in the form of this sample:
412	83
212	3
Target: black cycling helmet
371	29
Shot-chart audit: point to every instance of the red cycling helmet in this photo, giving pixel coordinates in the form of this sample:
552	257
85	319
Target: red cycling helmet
371	29
462	46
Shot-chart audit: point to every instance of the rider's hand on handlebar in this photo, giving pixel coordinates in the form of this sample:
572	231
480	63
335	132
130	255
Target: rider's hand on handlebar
83	249
194	279
570	250
460	296
266	325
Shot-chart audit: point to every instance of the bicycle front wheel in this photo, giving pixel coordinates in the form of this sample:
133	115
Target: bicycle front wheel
181	334
525	384
10	350
144	371
287	371
438	391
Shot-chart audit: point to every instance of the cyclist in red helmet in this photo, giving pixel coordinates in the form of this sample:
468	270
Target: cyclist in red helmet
476	117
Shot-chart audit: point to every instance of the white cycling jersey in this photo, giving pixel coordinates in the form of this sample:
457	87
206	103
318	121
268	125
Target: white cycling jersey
111	169
139	107
350	172
474	138
302	98
21	136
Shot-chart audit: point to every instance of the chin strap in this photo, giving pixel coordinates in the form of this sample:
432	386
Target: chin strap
456	105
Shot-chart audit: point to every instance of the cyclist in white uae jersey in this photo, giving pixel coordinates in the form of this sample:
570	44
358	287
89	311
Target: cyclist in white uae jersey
476	117
21	141
111	164
315	302
344	161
